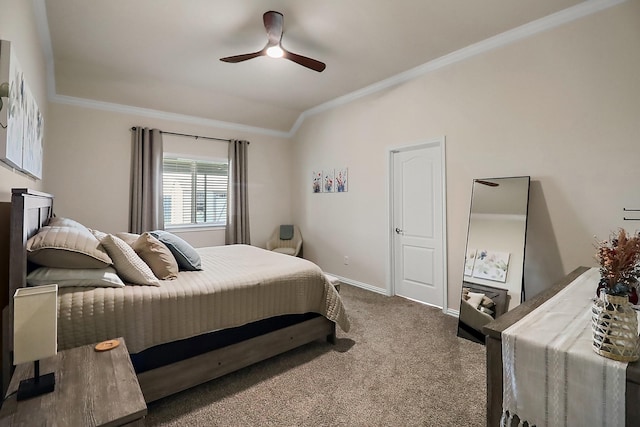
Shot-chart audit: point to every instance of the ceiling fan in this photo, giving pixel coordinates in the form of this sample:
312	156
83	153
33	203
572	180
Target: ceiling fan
273	23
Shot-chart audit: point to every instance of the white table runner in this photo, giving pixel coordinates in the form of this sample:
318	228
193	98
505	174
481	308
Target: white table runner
552	377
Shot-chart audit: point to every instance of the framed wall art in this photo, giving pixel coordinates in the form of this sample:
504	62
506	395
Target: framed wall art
21	123
330	180
328	185
491	265
342	180
316	181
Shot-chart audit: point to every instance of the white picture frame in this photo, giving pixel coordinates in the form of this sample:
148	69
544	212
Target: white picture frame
22	127
316	181
328	182
491	265
11	115
342	180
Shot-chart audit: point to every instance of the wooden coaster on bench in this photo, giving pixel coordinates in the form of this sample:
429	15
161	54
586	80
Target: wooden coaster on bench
107	345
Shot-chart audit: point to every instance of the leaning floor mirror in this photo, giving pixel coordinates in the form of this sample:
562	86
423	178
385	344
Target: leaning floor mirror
493	280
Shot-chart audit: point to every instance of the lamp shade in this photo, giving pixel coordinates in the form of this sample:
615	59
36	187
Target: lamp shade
35	325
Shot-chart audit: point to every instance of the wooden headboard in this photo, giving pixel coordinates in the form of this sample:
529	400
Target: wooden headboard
30	210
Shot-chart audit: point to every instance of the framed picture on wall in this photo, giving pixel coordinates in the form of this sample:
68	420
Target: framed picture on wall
316	181
12	112
328	181
32	136
22	124
342	180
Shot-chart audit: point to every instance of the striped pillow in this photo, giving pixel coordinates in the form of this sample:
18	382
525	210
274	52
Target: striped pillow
130	267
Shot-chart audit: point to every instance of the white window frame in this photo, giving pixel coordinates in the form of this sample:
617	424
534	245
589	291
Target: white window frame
194	226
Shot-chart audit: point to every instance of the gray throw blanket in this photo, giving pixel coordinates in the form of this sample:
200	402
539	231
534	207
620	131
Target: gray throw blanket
286	232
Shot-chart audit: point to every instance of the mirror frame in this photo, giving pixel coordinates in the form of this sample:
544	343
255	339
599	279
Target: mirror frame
500	296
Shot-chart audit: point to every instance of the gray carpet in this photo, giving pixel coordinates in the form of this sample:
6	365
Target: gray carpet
400	365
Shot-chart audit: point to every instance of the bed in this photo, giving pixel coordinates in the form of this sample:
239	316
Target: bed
246	305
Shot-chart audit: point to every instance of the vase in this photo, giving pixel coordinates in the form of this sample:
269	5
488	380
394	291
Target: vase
601	285
615	328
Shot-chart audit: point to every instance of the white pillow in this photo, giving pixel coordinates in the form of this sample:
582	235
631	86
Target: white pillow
98	234
127	263
92	277
58	221
474	299
130	238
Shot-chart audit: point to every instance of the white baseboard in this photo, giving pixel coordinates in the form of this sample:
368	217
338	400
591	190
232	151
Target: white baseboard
452	312
362	285
378	290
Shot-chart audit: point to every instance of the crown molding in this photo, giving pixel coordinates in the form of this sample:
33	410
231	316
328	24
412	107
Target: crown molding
163	115
527	30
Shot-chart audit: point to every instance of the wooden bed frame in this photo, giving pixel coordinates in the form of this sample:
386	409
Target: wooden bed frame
32	209
493	332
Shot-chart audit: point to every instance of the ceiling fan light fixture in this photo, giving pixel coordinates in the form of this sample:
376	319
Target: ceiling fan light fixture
275	51
273	23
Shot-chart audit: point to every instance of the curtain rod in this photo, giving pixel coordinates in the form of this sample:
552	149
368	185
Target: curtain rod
191	136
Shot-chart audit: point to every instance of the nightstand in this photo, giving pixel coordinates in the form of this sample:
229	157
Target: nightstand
92	389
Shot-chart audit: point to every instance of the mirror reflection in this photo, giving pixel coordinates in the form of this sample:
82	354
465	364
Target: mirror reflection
494	256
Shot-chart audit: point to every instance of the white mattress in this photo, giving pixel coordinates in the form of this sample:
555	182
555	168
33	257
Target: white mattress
239	284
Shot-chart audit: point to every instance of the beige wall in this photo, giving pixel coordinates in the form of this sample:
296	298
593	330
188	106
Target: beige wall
88	169
17	25
561	106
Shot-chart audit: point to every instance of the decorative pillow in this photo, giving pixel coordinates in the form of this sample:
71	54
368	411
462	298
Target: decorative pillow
187	257
127	263
128	237
157	256
58	221
475	299
486	310
487	302
98	234
93	277
66	247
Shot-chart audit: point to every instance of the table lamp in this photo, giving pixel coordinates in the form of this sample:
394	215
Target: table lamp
35	335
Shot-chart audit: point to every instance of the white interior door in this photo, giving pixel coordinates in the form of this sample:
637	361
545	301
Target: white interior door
418	224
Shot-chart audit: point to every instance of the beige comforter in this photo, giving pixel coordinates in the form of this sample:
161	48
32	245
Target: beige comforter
239	284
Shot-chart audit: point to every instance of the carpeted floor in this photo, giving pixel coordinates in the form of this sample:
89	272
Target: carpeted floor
400	365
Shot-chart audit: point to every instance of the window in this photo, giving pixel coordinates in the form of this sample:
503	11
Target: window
194	191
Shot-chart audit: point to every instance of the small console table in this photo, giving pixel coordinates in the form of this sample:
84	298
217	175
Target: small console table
92	389
493	332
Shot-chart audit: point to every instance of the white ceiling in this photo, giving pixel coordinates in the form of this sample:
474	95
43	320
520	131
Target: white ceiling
164	54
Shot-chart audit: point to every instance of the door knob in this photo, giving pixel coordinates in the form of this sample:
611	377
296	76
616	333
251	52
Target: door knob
398	231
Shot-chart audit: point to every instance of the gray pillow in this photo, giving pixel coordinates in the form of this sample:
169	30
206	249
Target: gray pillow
187	257
66	247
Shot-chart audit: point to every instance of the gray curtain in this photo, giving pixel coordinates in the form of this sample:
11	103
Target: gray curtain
238	194
146	181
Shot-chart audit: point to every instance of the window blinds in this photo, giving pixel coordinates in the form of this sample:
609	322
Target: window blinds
194	191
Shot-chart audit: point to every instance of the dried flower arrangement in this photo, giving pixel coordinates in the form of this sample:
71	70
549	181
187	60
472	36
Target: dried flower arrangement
619	259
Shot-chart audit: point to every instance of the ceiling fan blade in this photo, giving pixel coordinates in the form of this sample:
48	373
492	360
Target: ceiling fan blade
240	58
304	61
273	23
